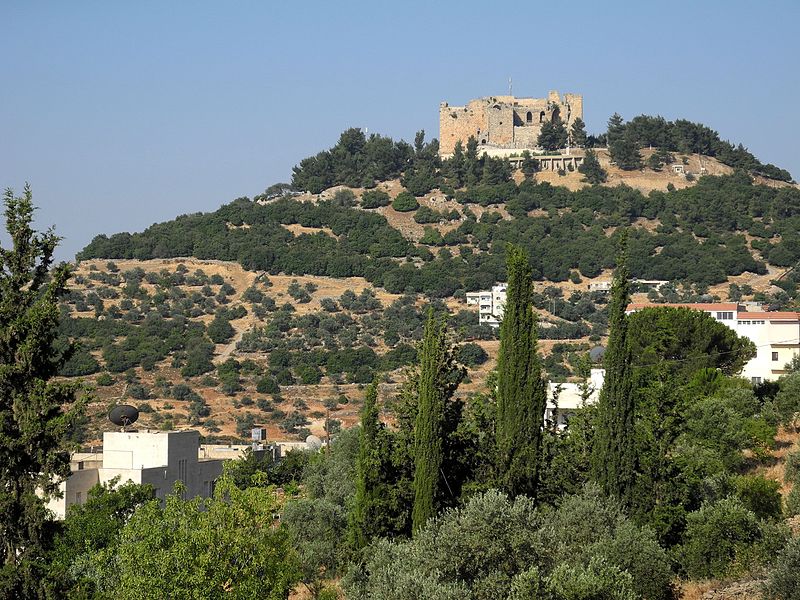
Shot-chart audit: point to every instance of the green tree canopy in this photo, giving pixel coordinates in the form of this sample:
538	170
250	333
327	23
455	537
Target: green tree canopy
223	547
684	341
590	168
614	454
553	135
33	421
521	389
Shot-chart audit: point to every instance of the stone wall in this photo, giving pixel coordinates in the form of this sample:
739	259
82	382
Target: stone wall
504	121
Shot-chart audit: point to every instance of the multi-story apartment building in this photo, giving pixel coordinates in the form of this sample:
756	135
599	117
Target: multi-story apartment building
491	304
776	335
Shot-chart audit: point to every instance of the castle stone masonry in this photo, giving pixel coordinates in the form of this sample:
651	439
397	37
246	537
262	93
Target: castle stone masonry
504	121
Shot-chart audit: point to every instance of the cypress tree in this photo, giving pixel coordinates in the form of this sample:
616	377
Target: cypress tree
34	426
613	456
521	388
364	514
435	365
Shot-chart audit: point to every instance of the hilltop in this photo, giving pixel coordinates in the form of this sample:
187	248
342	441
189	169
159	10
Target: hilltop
278	309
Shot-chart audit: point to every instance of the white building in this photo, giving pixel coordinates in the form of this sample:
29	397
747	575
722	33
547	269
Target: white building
491	304
159	458
776	335
569	397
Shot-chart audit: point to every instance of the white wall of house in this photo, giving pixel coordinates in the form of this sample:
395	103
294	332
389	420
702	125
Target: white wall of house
563	399
158	458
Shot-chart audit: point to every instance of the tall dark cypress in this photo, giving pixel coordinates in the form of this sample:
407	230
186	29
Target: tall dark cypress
521	387
363	526
430	416
614	454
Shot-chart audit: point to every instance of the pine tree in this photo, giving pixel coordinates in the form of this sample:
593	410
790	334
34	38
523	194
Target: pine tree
553	135
613	457
577	133
34	450
472	163
521	389
436	381
456	166
616	128
590	168
529	165
625	153
363	524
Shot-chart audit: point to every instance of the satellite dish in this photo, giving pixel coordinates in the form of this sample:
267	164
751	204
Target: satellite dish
313	442
123	415
597	353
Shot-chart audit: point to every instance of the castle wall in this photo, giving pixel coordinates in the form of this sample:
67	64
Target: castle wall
504	121
500	124
459	123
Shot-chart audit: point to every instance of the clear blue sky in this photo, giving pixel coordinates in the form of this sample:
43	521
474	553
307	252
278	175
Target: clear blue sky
122	114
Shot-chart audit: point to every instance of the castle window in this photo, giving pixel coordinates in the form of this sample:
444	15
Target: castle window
541	117
529	117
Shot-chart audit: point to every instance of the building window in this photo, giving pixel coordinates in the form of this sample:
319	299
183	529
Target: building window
541	117
529	117
182	464
756	380
78	497
725	316
774	356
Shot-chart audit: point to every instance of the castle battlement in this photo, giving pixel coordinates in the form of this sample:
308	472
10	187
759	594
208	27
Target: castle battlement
504	121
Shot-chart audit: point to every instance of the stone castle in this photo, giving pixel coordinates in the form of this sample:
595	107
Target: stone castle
504	121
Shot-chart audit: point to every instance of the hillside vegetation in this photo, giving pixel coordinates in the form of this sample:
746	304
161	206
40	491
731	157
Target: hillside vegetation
392	252
307	312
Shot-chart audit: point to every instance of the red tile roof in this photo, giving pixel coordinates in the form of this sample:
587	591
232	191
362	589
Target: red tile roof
726	306
771	316
743	313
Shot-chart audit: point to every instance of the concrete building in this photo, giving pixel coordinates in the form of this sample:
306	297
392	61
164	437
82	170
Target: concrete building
158	458
504	121
563	399
491	304
775	334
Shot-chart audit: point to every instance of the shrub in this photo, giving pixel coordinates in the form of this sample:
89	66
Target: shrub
344	198
486	548
220	329
405	202
375	199
181	391
793	501
267	385
716	536
760	495
784	580
104	379
293	422
472	355
138	391
792	468
596	580
80	363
